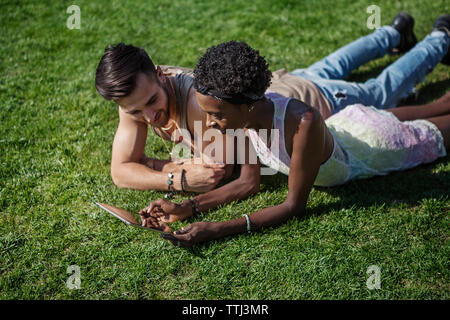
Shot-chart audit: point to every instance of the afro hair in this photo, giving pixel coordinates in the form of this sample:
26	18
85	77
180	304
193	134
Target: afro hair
233	67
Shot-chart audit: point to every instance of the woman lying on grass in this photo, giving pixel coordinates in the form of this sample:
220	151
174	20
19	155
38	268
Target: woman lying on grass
357	142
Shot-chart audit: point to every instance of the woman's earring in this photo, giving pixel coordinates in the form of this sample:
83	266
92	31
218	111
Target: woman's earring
252	106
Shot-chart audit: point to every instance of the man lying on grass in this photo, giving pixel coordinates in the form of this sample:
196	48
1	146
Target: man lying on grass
147	97
357	142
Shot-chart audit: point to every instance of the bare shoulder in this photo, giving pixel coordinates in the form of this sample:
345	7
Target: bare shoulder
127	121
129	131
300	114
129	140
192	100
303	122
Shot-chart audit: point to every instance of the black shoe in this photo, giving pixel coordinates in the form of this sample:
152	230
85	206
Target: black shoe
443	24
404	24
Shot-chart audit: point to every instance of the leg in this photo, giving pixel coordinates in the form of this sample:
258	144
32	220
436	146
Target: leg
443	124
436	108
340	64
396	81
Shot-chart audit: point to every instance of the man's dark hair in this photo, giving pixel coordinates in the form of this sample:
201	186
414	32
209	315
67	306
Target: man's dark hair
232	68
118	69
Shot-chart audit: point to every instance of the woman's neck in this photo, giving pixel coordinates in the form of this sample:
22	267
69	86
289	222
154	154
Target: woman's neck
261	116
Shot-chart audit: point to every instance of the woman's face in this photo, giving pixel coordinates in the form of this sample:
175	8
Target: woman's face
221	115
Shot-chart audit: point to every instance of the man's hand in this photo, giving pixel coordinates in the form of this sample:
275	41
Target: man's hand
203	177
165	211
200	177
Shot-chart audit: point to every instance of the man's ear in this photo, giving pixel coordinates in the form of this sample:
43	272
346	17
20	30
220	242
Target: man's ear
160	74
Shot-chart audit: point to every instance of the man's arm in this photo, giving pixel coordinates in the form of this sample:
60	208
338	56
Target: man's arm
127	171
239	189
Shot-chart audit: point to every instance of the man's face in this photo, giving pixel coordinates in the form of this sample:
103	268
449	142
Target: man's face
148	102
221	115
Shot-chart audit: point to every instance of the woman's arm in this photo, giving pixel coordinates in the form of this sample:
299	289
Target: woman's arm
238	189
306	158
241	188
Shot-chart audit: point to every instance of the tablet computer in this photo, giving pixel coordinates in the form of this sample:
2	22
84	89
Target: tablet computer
126	217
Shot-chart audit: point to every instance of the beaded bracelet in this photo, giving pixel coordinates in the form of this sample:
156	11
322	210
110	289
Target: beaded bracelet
194	204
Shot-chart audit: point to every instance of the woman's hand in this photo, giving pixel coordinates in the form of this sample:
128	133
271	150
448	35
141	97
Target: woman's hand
195	233
154	223
166	211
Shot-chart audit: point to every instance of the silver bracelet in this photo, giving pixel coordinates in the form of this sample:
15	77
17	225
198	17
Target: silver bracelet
248	222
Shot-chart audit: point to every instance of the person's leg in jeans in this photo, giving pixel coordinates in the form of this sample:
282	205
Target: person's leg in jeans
342	62
397	81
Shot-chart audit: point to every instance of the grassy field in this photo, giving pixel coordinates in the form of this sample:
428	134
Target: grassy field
56	135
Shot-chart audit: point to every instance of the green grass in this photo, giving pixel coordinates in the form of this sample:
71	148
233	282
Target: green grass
56	134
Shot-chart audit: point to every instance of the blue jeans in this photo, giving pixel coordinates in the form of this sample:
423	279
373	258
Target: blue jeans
396	82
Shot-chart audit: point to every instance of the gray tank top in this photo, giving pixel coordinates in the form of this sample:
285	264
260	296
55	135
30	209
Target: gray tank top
183	83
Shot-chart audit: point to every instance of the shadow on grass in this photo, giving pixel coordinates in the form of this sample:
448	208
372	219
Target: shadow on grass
428	93
362	76
408	187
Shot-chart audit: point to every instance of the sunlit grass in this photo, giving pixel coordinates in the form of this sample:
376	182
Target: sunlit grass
56	134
